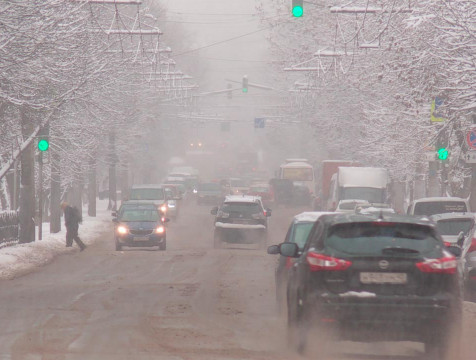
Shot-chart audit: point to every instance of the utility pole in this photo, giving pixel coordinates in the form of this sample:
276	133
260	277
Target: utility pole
40	196
27	181
55	198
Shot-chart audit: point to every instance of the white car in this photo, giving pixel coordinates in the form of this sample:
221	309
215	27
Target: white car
438	205
348	206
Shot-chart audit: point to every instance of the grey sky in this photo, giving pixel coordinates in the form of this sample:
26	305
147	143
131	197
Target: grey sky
211	21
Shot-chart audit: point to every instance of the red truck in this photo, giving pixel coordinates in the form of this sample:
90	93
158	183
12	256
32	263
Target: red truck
327	170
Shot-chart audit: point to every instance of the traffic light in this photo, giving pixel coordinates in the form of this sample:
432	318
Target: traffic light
442	153
244	86
298	9
43	138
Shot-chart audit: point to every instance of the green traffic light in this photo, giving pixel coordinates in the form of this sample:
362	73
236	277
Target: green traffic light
298	11
43	145
442	154
245	90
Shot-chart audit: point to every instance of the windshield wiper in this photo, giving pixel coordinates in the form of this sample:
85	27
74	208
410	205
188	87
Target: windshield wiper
398	249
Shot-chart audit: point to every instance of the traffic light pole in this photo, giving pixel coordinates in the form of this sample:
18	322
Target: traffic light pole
40	196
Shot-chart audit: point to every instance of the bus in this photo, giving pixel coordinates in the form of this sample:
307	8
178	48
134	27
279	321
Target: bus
300	172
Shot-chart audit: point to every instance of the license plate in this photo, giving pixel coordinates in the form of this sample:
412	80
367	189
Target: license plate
141	238
383	278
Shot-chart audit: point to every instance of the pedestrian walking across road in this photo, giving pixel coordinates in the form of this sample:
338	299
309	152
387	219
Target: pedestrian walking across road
72	219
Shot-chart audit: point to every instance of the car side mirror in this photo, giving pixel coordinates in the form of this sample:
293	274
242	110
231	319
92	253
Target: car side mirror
268	212
460	240
114	214
289	249
214	211
165	220
273	250
455	250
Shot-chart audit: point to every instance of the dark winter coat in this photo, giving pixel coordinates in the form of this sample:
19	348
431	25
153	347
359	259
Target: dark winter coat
72	217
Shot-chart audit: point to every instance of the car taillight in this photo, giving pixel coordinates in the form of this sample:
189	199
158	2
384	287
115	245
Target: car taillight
320	262
445	265
472	247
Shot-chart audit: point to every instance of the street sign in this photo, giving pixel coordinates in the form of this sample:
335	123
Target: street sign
470	157
435	107
471	139
259	123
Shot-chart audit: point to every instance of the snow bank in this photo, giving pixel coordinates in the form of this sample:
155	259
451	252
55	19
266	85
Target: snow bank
24	258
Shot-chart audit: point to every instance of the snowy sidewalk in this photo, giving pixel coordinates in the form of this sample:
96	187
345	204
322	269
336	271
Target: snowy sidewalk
23	258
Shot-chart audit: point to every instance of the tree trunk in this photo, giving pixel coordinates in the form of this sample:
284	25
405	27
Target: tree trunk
92	187
27	182
472	197
112	173
77	193
124	182
55	198
433	183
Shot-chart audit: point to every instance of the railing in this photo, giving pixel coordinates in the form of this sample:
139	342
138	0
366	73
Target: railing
9	223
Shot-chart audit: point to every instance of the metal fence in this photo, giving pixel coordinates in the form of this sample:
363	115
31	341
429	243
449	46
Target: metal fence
9	223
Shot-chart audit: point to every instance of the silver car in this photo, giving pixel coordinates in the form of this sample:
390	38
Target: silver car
458	229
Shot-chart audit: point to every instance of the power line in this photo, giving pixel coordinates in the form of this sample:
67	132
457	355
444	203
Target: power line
221	42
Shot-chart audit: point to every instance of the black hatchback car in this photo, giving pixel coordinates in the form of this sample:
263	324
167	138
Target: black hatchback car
369	278
139	225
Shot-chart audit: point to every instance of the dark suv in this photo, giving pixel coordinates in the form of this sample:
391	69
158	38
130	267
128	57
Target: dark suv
241	219
369	278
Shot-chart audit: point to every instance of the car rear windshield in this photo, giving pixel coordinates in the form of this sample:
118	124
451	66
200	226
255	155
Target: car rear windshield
241	207
439	207
209	187
371	239
300	233
147	194
140	215
259	189
454	226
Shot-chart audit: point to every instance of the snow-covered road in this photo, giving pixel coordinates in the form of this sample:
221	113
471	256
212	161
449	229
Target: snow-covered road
190	302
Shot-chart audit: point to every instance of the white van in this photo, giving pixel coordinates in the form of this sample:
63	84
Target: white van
438	205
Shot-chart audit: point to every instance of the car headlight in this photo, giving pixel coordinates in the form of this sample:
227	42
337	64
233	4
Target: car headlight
159	230
163	208
122	230
195	191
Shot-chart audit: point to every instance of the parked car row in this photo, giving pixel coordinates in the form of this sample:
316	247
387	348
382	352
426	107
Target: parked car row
372	275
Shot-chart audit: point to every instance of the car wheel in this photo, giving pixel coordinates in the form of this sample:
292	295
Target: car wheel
217	241
118	246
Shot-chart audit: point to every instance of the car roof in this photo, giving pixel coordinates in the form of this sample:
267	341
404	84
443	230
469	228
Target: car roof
259	185
385	217
453	215
440	198
242	198
138	204
175	178
310	216
147	186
